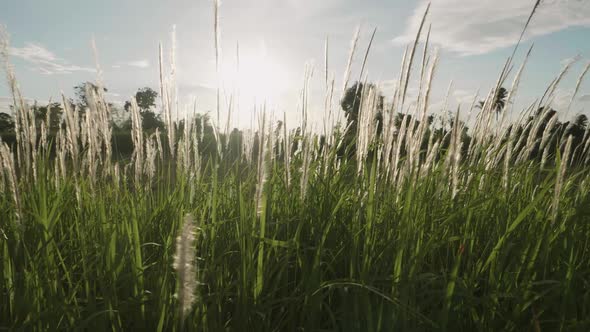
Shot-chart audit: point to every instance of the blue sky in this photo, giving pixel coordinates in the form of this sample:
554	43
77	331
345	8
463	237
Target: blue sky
51	44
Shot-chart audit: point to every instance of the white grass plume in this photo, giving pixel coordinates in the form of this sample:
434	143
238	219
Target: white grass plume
184	264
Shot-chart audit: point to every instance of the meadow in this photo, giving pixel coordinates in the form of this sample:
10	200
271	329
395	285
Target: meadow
398	224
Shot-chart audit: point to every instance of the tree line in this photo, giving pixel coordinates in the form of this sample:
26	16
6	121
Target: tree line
209	141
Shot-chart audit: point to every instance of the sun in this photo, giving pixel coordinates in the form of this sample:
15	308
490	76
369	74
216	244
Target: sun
255	78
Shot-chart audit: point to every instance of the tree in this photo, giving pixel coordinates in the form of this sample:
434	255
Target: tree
351	102
81	93
234	146
151	121
146	99
6	123
499	101
351	105
55	114
581	121
119	117
207	140
577	129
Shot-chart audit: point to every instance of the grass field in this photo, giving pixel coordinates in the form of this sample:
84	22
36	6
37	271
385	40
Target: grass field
416	228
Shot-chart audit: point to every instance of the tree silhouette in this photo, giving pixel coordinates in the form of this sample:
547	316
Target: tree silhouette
351	105
81	93
55	115
499	101
581	121
146	99
6	123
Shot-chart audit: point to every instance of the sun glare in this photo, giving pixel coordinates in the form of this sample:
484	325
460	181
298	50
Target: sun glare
256	79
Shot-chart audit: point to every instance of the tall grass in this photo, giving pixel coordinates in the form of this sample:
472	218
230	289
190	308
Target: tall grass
420	230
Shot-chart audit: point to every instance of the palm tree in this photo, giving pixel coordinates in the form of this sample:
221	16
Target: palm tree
581	121
499	101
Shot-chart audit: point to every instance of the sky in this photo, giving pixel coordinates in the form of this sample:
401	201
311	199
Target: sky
51	48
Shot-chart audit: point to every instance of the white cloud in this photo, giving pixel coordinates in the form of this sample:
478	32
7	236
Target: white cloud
464	96
470	27
45	61
388	87
307	8
573	59
561	99
139	63
142	63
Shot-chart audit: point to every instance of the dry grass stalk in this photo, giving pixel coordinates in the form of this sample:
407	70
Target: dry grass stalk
166	104
411	58
261	164
306	146
72	134
286	152
454	155
429	162
418	137
17	101
116	175
400	139
195	147
548	131
9	168
515	84
366	128
150	160
577	88
561	178
353	45
137	138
